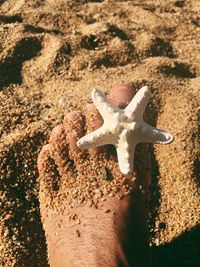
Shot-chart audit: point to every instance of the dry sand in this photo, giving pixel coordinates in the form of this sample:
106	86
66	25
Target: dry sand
52	53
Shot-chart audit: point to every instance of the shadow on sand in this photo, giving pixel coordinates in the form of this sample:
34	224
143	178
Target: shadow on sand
184	251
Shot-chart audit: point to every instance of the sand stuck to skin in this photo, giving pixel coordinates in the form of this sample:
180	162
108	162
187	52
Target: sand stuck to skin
52	54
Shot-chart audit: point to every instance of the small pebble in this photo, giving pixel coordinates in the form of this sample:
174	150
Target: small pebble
77	232
107	210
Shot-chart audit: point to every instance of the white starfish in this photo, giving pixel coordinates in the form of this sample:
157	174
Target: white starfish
123	128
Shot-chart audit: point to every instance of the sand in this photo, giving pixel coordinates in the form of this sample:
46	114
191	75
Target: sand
52	54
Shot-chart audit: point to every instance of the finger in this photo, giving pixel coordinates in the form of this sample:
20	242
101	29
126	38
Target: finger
122	95
94	121
74	124
59	149
49	177
42	158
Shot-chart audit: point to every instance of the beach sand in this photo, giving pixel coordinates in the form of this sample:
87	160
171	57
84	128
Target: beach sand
52	54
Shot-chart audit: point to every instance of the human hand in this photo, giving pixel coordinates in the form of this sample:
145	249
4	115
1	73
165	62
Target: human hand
92	214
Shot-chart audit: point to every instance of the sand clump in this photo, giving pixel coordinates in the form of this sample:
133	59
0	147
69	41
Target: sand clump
97	184
52	54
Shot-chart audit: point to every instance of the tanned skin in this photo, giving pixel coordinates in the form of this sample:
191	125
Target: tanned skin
112	235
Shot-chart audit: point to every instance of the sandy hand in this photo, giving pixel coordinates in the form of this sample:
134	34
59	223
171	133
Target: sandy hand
92	214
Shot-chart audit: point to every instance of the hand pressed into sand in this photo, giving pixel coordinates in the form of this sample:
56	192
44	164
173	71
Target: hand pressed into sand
93	215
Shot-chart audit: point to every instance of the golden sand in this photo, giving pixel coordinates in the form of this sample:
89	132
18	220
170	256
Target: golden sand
52	54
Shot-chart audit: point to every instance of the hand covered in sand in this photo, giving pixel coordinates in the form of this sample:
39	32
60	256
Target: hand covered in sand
92	214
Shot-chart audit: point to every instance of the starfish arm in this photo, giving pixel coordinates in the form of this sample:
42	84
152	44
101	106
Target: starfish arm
137	106
150	134
125	155
99	137
102	103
